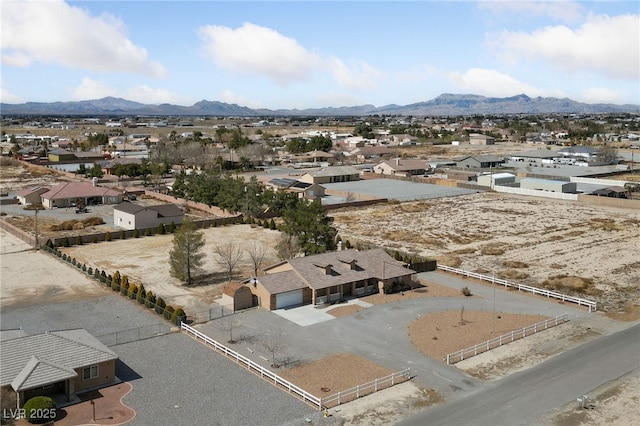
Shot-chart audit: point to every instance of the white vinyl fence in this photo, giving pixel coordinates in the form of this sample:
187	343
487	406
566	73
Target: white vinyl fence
314	401
505	338
535	290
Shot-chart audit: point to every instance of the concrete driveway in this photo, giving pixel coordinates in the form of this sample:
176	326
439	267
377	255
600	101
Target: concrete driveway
309	314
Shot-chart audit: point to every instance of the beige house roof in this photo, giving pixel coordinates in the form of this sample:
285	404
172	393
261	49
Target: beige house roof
78	190
334	268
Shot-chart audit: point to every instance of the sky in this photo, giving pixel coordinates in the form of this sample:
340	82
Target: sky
317	54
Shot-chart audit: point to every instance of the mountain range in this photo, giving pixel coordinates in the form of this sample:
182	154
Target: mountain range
443	105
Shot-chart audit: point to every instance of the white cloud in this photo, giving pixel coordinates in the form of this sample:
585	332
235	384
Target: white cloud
359	76
492	83
7	97
559	10
594	95
55	32
92	89
608	45
257	50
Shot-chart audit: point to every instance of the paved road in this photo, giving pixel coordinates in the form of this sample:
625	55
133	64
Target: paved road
521	398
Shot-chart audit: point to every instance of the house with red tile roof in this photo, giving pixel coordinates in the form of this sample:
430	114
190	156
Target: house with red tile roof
31	195
79	193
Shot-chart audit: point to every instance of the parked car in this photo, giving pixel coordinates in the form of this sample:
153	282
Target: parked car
82	210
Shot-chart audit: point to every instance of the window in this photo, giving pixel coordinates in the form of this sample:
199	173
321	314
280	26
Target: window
90	372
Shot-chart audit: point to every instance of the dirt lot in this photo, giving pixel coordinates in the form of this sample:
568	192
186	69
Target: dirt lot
561	245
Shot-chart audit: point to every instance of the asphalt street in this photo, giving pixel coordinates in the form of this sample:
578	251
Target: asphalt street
522	398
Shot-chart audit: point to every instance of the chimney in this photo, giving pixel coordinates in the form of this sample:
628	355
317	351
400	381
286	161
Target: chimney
340	245
94	181
397	161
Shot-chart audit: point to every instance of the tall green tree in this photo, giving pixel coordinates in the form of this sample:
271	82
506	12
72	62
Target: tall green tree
312	228
186	257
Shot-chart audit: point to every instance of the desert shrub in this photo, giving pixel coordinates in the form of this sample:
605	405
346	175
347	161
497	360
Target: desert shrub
64	256
147	232
215	224
133	291
89	270
123	235
103	277
84	268
160	230
95	239
272	225
59	254
150	300
92	221
397	255
107	236
168	312
124	285
265	224
172	227
136	233
160	305
49	243
65	242
178	315
347	244
142	294
40	409
79	240
67	225
493	250
115	281
73	261
465	291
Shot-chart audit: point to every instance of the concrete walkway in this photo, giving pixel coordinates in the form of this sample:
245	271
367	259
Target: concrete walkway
306	315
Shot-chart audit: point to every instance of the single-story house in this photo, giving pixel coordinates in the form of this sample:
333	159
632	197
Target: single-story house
131	216
54	363
611	191
401	167
108	168
332	175
365	152
480	139
79	193
303	189
548	185
60	155
31	195
479	162
328	277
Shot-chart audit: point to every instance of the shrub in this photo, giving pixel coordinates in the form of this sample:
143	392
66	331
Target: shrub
178	316
160	305
79	240
142	294
95	239
65	242
168	312
347	244
73	261
160	230
133	291
89	270
40	409
265	224
215	224
49	243
115	281
123	235
465	291
272	225
136	233
124	285
59	254
64	256
107	236
172	227
147	232
150	300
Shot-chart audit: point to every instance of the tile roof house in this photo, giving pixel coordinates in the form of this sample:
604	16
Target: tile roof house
76	193
31	195
54	363
479	162
131	216
327	277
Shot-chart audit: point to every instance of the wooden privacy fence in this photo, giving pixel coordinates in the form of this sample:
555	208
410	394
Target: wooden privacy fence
535	290
314	401
505	338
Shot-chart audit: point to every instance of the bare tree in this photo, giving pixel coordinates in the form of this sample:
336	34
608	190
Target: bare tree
229	325
256	252
228	256
349	197
287	247
275	343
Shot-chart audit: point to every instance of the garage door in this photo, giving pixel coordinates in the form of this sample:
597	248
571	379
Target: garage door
290	298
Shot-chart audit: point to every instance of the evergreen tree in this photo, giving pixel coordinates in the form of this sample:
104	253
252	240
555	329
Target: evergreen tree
309	224
186	257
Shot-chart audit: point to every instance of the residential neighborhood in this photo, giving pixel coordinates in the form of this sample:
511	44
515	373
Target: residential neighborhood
314	266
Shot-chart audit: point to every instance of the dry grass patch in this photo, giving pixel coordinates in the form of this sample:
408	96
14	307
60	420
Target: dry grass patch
466	250
629	312
604	224
514	264
493	249
428	289
570	283
343	311
442	333
450	261
512	274
335	373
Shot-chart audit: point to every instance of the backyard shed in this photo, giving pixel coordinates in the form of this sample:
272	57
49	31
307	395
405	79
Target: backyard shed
494	179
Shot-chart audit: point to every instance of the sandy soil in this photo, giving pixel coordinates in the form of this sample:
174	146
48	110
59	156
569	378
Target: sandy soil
527	240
